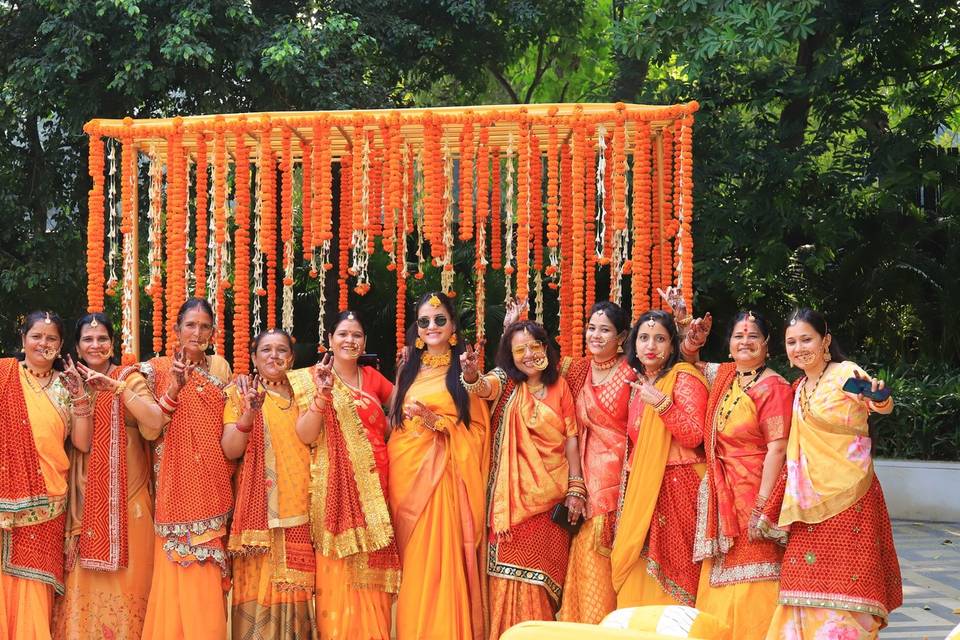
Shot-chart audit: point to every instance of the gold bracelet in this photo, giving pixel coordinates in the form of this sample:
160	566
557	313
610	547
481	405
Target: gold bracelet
663	406
120	388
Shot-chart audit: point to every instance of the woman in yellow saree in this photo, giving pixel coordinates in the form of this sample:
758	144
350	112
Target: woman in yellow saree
653	546
341	413
109	568
193	486
38	406
535	466
438	462
840	576
274	566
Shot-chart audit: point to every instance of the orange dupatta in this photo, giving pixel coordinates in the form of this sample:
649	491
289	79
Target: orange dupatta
643	485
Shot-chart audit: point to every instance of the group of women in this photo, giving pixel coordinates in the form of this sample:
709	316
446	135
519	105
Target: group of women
319	499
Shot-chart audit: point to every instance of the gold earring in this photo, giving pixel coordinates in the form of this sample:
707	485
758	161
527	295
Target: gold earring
826	354
419	343
452	340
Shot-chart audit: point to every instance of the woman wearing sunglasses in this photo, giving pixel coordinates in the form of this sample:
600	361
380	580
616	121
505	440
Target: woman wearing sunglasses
535	467
438	457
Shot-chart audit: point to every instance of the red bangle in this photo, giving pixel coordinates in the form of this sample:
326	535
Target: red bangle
241	429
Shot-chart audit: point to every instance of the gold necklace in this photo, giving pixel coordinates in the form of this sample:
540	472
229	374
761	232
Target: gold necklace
430	360
806	397
275	383
359	384
606	364
726	396
35	386
38	374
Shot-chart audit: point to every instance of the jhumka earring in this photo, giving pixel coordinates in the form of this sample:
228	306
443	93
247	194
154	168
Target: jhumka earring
419	343
826	354
452	340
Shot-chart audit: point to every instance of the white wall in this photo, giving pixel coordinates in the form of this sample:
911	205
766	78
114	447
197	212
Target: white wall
920	490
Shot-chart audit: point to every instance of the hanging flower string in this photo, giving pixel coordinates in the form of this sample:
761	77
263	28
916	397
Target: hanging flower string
685	212
618	157
577	282
590	226
155	250
480	264
113	235
523	210
128	199
553	200
446	261
202	202
346	230
219	272
95	222
566	258
241	267
466	179
496	232
640	275
508	222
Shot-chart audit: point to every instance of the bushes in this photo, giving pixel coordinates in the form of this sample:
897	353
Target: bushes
925	422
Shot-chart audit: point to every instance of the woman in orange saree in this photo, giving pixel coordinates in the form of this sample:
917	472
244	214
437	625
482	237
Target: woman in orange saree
599	383
193	486
39	406
535	466
341	413
109	568
274	569
438	453
651	560
748	418
840	575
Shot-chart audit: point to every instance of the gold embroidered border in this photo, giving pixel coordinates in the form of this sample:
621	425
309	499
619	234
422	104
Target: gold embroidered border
671	588
832	601
378	530
38	509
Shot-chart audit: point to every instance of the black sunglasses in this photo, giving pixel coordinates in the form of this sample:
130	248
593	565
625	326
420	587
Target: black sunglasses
424	321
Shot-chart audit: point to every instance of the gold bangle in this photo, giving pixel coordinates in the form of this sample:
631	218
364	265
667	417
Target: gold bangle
663	406
120	388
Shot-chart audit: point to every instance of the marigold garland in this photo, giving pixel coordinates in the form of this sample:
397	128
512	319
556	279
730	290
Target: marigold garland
480	264
128	199
577	281
553	198
286	229
202	202
268	231
524	208
346	230
307	208
466	180
566	255
374	223
666	210
95	222
220	231
176	220
241	265
685	215
496	233
433	185
640	259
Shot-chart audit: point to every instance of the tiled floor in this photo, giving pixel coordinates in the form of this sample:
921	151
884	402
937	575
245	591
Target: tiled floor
930	564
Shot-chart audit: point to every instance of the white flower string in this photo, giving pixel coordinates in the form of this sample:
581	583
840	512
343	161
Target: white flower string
213	267
601	191
418	213
129	284
113	209
155	230
361	259
257	253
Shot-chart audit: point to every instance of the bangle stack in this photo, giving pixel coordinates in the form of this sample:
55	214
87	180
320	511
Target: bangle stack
167	404
576	487
663	405
319	404
120	388
480	387
81	407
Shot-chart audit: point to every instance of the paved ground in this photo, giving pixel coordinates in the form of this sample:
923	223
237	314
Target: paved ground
930	564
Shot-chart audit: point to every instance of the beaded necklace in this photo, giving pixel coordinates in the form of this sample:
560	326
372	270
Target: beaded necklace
723	417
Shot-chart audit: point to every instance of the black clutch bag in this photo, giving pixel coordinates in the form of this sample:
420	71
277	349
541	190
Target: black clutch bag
561	516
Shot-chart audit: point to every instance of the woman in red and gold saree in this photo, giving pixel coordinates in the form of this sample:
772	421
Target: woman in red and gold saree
653	547
194	494
840	575
274	569
748	418
341	413
535	466
38	407
438	454
110	516
600	385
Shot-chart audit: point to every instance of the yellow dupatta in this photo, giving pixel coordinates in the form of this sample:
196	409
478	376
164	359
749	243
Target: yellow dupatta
643	485
829	466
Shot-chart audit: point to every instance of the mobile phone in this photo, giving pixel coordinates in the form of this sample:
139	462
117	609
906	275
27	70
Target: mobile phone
369	360
861	386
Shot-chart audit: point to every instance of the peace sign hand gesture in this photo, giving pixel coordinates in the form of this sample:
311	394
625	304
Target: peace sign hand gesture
323	375
182	369
647	391
514	309
470	363
96	380
72	379
674	299
250	393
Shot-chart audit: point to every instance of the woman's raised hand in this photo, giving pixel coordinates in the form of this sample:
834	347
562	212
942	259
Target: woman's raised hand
250	393
72	379
513	309
181	370
470	363
96	380
323	374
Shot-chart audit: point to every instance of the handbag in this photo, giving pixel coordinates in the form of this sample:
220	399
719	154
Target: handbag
561	516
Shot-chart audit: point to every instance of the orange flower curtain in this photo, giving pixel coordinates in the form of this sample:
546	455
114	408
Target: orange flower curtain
548	194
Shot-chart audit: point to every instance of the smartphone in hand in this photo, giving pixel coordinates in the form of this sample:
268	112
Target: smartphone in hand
861	386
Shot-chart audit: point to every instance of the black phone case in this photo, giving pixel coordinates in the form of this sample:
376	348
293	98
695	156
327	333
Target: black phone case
560	515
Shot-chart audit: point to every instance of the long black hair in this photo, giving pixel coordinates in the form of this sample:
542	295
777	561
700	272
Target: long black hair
504	357
411	366
819	323
33	318
665	320
101	319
